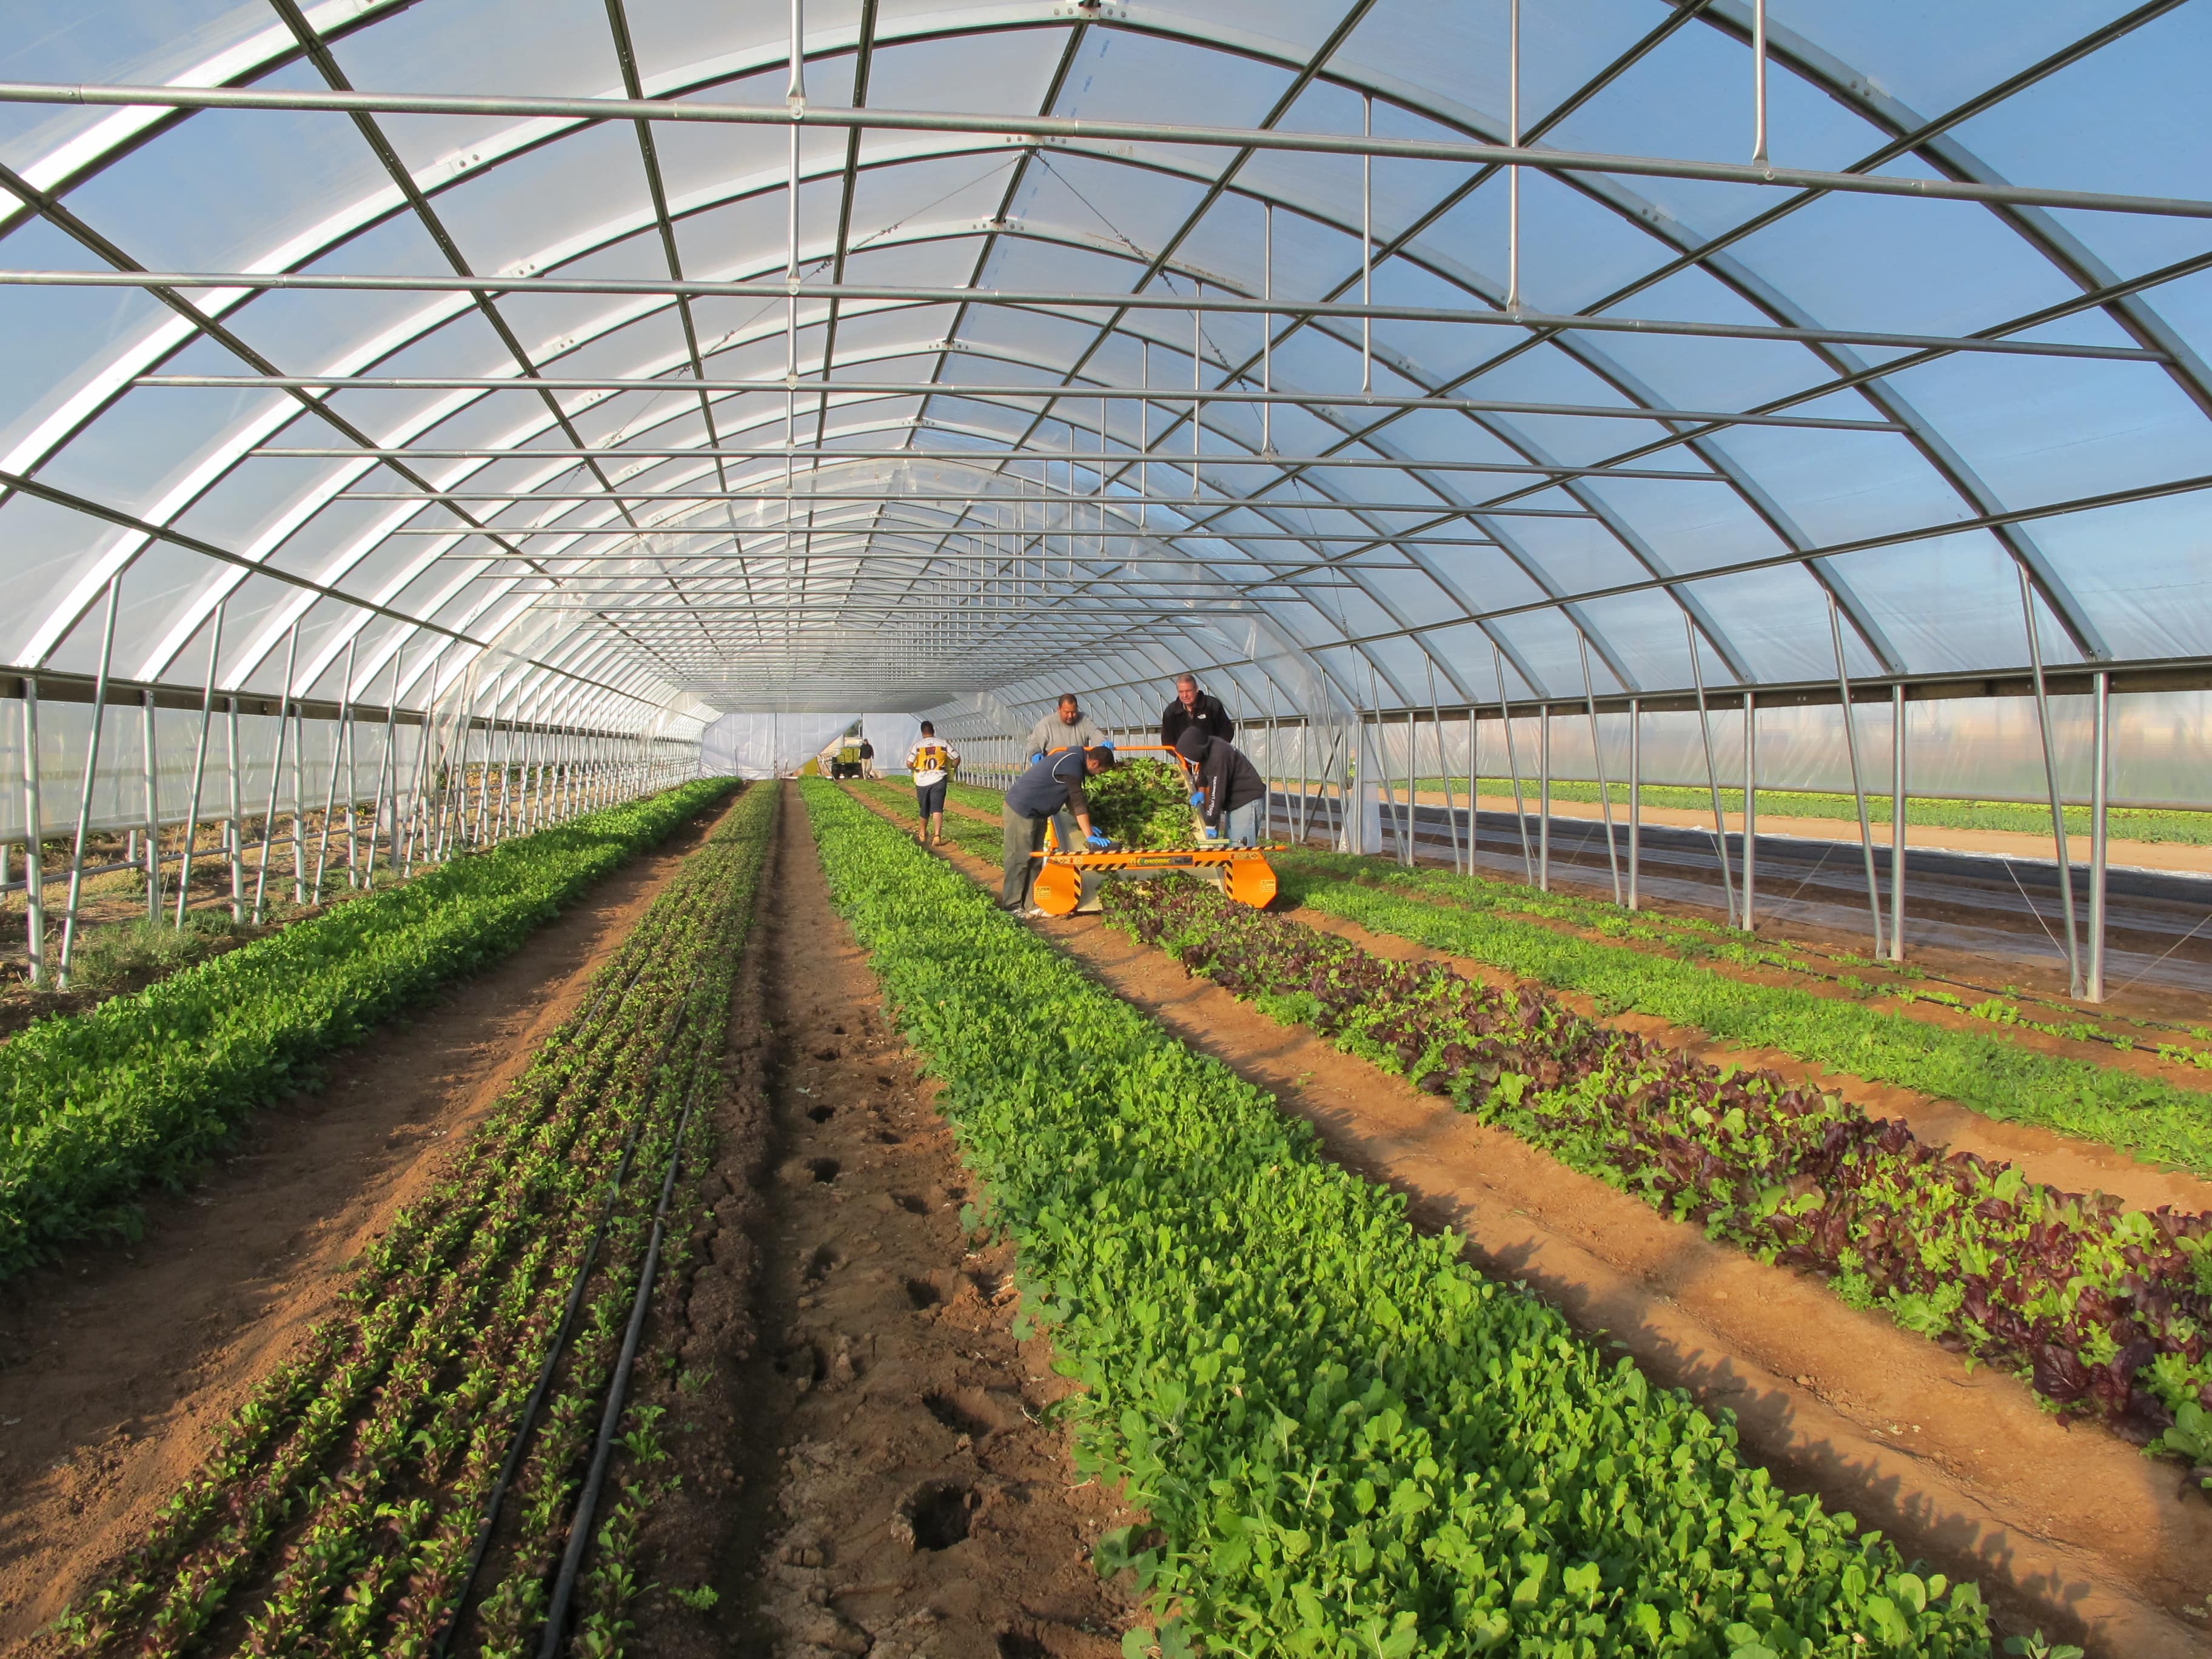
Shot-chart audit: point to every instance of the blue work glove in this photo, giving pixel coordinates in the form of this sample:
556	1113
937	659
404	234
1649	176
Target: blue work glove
1098	840
1198	798
1035	758
1107	744
1207	832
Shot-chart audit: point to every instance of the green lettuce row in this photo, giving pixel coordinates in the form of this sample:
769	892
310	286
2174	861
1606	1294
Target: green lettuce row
1990	1074
1349	1442
96	1106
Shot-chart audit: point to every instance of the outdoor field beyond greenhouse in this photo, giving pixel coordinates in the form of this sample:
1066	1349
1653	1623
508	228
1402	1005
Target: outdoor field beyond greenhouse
1348	830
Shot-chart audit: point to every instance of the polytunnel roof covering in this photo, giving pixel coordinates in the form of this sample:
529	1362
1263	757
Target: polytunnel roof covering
775	406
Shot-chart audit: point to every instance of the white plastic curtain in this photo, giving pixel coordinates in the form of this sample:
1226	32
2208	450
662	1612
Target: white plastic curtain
118	789
1982	749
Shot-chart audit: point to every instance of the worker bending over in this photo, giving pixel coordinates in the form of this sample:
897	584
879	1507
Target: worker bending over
1232	795
1193	710
1052	785
1067	726
931	764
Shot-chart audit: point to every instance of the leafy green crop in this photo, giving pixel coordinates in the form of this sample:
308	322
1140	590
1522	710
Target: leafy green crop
1142	803
1350	1443
2101	1309
1995	1077
339	1508
96	1106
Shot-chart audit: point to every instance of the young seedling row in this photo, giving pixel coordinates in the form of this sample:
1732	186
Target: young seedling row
409	1481
2102	1310
98	1105
1348	1441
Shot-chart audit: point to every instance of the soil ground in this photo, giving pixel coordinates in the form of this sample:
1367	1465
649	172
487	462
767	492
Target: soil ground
922	1499
116	1365
2068	1529
848	1395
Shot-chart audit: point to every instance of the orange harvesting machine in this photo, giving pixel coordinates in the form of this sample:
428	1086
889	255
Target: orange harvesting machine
1069	882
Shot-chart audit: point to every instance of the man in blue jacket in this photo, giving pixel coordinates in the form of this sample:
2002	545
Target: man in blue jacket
1053	784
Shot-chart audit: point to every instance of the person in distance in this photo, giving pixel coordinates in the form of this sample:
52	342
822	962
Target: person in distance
1230	794
1053	785
1065	726
1194	709
931	764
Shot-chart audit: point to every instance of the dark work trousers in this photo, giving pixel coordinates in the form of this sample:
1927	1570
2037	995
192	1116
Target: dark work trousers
1024	836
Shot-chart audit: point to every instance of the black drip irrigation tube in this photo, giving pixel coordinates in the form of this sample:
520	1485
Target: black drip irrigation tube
441	1645
587	1502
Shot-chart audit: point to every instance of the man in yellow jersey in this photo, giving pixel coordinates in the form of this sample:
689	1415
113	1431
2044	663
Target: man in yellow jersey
933	764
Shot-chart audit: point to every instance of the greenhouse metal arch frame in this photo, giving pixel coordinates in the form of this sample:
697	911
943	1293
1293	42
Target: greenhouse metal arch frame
613	632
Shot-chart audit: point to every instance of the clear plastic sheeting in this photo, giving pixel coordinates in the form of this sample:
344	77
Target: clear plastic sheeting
1982	749
766	745
119	785
494	412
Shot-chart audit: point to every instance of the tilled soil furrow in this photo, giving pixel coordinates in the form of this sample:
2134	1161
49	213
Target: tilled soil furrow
1958	1468
924	1503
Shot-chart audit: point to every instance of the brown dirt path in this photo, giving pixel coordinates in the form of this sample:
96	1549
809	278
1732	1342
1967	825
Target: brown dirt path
116	1365
907	1493
2069	1529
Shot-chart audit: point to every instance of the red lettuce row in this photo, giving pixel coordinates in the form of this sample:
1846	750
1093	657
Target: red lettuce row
2103	1310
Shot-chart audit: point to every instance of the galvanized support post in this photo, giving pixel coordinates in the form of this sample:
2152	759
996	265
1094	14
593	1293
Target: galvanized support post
330	794
353	773
34	885
2099	785
1266	329
236	837
388	775
276	776
1712	772
1750	805
1413	755
1544	797
299	802
1443	765
153	810
1597	758
1759	82
200	763
1366	246
1513	765
2051	779
1635	794
91	770
1858	784
1897	823
1513	139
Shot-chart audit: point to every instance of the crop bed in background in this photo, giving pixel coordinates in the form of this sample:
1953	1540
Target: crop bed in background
2192	829
1350	1443
413	1469
1988	1073
2102	1310
1695	937
97	1105
1674	969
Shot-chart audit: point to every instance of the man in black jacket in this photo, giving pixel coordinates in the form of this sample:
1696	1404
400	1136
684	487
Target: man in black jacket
1193	708
1232	795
